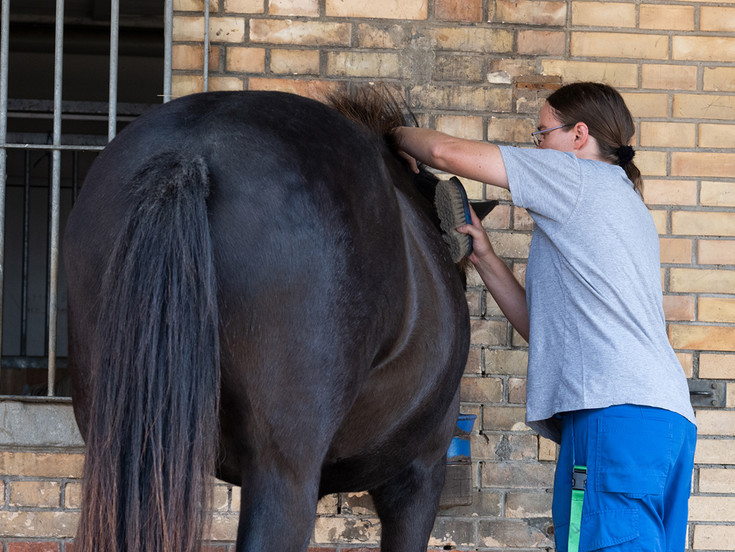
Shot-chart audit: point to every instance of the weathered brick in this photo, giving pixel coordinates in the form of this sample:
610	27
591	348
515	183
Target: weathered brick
703	48
717	19
714	537
459	97
296	32
382	9
39	524
669	77
667	135
667	17
717	366
72	495
223	527
188	57
33	546
716	480
716	422
646	104
363	530
669	192
547	450
716	136
461	68
517	390
506	418
530	12
715	451
719	79
241	59
550	43
490	333
517	475
651	163
182	85
619	45
687	363
474	362
317	89
711	508
510	130
363	64
308	8
245	6
515	533
694	280
674	250
703	338
525	505
374	36
471	39
703	223
506	361
679	307
660	218
451	533
603	14
504	447
718	194
481	390
38	464
458	10
484	503
225	83
512	245
188	28
717	309
226	29
469	127
704	106
37	494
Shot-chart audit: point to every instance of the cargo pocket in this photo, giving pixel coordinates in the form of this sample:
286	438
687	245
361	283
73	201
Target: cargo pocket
633	456
602	530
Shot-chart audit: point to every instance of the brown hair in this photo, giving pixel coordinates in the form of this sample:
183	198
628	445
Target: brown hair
608	119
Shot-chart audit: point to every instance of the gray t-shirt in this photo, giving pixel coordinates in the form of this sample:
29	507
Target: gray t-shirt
593	287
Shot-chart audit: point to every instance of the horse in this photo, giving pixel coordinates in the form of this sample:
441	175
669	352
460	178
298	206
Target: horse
258	289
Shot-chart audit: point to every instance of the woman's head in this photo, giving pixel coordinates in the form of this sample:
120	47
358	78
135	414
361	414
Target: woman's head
603	111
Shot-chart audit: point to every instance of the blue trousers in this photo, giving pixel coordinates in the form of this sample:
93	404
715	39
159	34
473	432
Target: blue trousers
639	471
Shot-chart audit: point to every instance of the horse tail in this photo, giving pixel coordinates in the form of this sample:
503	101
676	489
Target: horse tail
153	430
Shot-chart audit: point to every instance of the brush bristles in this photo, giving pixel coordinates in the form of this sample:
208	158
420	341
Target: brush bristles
452	208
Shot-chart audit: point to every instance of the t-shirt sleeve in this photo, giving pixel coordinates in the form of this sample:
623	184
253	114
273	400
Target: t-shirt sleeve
547	183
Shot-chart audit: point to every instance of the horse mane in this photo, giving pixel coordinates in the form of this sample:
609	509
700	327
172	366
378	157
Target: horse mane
375	108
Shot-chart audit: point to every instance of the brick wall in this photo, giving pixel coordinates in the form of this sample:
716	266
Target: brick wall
481	69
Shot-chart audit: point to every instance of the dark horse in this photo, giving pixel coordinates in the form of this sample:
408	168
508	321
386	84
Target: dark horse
258	289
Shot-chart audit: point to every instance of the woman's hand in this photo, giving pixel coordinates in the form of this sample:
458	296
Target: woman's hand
482	249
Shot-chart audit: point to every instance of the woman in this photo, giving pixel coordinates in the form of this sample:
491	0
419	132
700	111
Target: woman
603	380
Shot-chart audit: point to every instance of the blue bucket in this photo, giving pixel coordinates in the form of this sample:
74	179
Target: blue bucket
459	448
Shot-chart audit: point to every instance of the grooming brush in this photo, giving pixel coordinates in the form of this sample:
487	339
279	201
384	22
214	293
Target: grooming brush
453	209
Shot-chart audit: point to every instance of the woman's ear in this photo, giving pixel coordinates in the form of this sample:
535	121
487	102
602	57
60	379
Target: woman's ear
581	135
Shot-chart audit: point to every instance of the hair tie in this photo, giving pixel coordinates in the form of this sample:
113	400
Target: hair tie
625	155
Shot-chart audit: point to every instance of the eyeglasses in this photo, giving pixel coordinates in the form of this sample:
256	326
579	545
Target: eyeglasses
537	139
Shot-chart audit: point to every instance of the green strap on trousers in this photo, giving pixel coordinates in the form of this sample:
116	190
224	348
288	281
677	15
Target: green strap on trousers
579	482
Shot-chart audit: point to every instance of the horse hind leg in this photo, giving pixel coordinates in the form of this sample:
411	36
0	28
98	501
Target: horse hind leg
407	506
277	512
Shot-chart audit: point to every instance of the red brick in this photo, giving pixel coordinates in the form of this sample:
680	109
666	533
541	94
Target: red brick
33	547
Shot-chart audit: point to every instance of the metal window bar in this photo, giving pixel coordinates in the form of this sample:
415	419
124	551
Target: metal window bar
55	148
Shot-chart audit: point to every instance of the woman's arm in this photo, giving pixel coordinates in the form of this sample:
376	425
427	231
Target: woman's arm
499	280
473	159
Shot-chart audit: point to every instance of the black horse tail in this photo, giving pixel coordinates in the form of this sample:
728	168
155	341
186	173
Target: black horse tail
153	430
